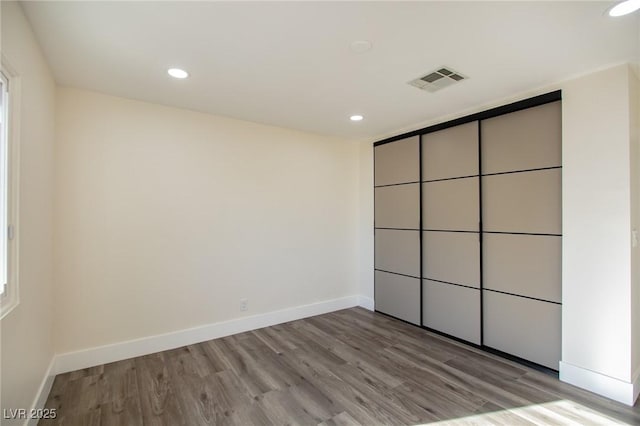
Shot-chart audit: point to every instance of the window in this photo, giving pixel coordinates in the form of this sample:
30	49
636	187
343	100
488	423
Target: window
8	198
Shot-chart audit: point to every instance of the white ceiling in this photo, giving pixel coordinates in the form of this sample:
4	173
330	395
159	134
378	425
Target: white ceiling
289	63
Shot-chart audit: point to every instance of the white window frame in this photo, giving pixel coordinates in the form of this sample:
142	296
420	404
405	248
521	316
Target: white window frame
10	298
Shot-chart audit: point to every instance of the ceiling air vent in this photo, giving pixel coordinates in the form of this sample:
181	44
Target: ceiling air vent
438	79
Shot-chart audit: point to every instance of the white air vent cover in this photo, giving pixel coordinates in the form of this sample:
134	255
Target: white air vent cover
438	79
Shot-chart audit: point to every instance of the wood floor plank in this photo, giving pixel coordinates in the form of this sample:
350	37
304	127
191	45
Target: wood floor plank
254	372
224	348
282	409
438	405
157	396
81	418
124	412
251	414
359	406
197	397
274	363
57	393
563	391
233	394
319	405
80	394
449	394
350	367
215	356
341	419
497	418
582	415
403	410
118	394
203	363
85	372
307	366
488	370
459	379
118	382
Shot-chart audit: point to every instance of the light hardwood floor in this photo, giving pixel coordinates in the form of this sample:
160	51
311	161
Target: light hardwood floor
346	367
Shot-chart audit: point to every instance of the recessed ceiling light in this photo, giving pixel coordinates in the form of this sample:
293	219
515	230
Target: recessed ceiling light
177	73
624	8
360	46
356	118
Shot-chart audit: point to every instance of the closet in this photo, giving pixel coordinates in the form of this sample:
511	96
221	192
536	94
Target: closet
397	229
468	229
451	232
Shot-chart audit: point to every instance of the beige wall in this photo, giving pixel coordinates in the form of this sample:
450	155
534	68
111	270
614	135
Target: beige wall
166	218
596	280
365	225
26	346
634	117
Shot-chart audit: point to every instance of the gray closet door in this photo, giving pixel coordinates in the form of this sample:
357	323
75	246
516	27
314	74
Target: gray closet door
397	162
397	229
523	327
521	213
452	309
451	256
528	202
523	140
398	251
451	204
451	240
398	206
528	265
450	153
398	296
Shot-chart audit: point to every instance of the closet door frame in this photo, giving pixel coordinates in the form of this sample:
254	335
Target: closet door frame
479	117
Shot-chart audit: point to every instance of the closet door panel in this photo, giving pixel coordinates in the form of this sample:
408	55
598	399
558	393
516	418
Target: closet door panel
450	205
526	328
398	296
528	265
528	202
452	257
523	140
398	206
450	152
452	309
398	251
397	162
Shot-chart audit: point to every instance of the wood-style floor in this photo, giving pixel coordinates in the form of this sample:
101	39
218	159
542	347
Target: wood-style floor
347	367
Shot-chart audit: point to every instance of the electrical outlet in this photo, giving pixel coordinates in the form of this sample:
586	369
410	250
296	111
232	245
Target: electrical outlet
244	304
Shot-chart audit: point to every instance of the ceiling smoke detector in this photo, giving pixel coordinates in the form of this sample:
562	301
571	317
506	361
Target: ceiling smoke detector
438	79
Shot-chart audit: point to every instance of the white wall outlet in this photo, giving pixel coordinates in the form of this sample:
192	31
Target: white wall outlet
244	304
634	238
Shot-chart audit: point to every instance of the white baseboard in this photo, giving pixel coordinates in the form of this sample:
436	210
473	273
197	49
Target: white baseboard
43	392
366	302
147	345
609	387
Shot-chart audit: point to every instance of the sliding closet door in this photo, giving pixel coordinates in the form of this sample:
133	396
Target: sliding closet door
521	203
450	238
397	224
